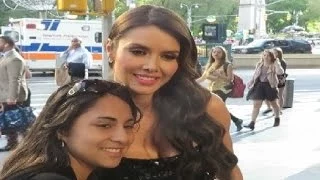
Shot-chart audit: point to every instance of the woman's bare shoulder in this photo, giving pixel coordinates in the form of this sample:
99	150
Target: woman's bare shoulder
217	109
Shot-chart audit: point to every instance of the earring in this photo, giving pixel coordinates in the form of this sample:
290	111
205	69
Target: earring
110	60
62	143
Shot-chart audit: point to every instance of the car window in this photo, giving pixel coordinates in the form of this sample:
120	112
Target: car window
269	44
257	42
283	43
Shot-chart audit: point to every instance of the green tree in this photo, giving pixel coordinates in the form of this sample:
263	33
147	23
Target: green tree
7	13
309	8
222	9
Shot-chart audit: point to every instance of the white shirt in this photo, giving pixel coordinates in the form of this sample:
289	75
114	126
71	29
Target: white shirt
79	55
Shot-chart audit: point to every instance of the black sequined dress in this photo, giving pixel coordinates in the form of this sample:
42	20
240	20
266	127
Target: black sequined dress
147	169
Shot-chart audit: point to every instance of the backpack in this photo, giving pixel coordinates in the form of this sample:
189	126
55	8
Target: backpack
238	85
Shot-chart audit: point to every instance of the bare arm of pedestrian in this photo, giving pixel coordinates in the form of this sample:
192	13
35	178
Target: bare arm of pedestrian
66	52
14	70
217	109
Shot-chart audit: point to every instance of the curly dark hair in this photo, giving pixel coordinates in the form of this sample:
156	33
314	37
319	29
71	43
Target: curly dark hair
41	147
180	105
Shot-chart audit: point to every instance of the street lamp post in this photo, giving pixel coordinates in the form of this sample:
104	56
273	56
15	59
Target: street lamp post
189	12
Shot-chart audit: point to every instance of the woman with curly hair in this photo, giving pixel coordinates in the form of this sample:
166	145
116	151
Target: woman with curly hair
83	126
184	131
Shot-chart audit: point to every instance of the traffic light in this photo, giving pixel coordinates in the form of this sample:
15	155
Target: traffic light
79	6
108	6
103	6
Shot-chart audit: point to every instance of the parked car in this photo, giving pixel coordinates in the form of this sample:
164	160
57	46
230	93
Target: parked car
287	46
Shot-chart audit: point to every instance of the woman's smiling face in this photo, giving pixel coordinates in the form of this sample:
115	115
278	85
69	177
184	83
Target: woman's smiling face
145	59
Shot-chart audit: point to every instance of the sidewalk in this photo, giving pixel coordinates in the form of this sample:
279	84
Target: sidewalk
288	152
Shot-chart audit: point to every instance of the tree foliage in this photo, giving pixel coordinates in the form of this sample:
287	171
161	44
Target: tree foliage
222	9
7	13
309	13
225	12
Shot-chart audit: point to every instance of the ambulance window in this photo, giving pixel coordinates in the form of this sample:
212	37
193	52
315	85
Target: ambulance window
98	37
13	34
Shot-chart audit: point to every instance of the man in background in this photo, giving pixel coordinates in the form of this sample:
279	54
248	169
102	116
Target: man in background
13	85
78	60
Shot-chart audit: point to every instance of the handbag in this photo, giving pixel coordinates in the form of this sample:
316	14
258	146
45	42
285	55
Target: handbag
16	117
61	76
238	87
76	70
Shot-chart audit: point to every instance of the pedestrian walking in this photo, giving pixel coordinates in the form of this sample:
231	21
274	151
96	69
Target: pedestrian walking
77	59
13	85
83	125
264	86
184	133
282	80
220	74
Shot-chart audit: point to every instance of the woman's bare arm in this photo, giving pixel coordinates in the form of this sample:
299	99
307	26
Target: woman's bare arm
217	109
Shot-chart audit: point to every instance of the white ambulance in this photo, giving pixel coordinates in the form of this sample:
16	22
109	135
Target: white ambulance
42	40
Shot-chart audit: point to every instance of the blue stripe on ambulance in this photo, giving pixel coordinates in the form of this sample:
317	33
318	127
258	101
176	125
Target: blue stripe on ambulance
47	47
34	47
46	23
94	49
31	47
55	25
51	25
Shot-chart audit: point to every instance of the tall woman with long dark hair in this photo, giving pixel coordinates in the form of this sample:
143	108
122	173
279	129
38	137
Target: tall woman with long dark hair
184	131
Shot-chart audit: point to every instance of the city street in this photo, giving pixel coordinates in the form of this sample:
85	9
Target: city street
288	152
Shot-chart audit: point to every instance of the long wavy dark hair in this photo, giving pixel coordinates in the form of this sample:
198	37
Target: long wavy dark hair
41	147
180	105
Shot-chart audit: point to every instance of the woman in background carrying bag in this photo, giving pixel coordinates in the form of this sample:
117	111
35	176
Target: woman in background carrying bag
220	73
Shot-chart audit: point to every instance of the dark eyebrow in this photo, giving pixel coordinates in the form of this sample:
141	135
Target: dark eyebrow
107	118
135	45
103	118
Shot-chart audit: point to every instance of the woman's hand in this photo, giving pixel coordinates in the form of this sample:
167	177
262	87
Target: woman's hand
249	84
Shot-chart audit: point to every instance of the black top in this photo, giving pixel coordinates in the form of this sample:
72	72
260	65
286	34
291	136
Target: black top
146	169
47	173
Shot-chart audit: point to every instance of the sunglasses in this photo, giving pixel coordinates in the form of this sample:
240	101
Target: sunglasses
92	85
